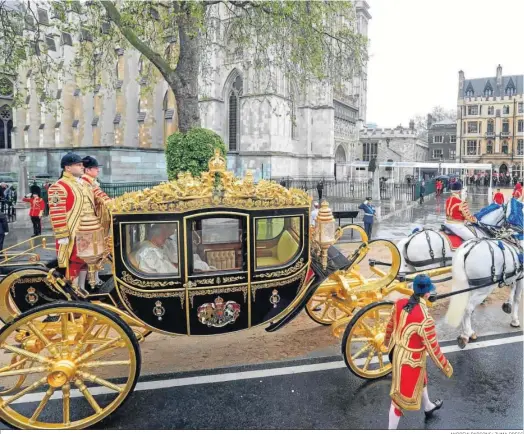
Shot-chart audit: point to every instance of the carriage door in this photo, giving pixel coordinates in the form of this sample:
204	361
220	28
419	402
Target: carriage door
217	272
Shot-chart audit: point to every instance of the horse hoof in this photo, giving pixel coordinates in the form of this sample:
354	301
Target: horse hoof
461	342
473	337
506	307
515	324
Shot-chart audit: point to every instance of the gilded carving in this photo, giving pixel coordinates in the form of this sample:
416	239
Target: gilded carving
242	289
281	273
208	190
124	290
232	279
126	277
205	281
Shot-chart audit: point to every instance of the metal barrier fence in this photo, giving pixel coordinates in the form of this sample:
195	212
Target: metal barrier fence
115	189
356	189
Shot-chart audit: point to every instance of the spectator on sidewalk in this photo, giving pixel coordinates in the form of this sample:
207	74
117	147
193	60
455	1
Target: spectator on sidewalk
4	229
369	215
3	188
422	191
320	189
35	212
10	201
498	198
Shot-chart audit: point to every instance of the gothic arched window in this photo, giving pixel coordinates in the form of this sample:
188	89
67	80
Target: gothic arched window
234	118
168	107
6	126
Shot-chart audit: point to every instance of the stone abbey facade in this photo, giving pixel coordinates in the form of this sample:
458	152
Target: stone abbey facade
273	133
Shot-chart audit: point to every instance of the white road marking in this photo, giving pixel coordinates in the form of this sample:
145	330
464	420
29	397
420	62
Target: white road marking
261	373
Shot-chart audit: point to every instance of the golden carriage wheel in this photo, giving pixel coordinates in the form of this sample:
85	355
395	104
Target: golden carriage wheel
321	308
73	351
363	341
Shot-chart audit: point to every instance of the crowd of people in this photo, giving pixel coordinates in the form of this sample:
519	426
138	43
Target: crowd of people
497	179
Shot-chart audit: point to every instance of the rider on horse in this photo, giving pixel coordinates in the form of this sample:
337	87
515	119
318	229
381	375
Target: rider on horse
457	214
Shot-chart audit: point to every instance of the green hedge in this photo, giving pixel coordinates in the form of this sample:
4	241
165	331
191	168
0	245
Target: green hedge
192	151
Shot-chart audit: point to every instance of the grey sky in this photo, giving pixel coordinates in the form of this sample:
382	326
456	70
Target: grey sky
418	47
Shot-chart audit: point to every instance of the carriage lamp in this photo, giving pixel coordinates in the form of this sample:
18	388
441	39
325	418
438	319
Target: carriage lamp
325	231
90	244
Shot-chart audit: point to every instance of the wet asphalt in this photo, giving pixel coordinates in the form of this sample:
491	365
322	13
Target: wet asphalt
485	392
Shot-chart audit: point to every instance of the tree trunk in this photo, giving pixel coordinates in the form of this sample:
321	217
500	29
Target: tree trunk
185	83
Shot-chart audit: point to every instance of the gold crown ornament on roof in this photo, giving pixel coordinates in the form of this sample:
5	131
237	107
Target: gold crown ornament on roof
209	190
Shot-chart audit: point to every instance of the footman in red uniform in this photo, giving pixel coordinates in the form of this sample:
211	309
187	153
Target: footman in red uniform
69	198
410	336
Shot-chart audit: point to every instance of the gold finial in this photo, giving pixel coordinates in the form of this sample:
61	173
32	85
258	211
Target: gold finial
217	163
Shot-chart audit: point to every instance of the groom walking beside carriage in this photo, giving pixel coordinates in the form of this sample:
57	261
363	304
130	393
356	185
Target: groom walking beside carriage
410	335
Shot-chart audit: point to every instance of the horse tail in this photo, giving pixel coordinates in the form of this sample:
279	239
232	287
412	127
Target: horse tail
459	302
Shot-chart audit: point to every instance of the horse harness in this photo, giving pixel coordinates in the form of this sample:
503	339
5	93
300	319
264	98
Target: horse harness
433	260
494	278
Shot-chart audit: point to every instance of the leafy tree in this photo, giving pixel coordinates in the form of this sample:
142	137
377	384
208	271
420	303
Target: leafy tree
191	151
300	40
438	114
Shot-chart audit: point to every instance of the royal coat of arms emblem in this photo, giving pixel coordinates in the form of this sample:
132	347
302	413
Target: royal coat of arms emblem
218	314
31	296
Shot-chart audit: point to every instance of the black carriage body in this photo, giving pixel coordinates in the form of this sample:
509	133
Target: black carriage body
253	264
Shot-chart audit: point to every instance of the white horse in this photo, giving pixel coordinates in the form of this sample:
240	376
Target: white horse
429	248
485	264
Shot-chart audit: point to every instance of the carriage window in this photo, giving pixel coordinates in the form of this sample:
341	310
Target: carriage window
217	245
278	240
152	248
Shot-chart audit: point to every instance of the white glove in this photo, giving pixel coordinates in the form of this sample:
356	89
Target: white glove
63	241
6	233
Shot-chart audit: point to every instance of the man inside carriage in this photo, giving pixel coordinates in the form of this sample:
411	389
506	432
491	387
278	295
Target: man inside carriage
458	214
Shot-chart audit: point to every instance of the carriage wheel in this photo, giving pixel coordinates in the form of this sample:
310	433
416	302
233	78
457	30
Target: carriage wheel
363	341
321	309
59	362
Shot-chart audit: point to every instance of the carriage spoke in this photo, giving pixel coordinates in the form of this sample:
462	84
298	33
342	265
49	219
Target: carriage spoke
98	380
380	360
367	328
23	371
84	337
361	351
28	389
42	404
66	404
96	350
13	365
368	360
25	353
40	335
104	363
87	395
360	340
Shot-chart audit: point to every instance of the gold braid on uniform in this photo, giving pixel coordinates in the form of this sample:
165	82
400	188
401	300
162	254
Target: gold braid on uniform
464	209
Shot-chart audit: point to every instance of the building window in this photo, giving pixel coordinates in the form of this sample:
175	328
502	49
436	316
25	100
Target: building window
453	139
40	138
491	126
505	126
473	127
438	139
57	137
471	148
505	147
452	154
234	113
491	110
520	147
469	93
473	110
169	113
26	139
369	151
505	110
437	153
6	127
520	126
489	147
42	16
521	107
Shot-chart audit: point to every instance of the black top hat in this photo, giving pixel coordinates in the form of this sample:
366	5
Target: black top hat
90	162
368	198
69	159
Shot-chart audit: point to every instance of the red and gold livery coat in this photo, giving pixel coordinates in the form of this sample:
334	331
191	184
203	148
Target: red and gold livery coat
458	210
412	336
69	197
101	202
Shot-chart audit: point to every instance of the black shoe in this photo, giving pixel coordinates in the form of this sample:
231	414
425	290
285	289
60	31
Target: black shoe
438	405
